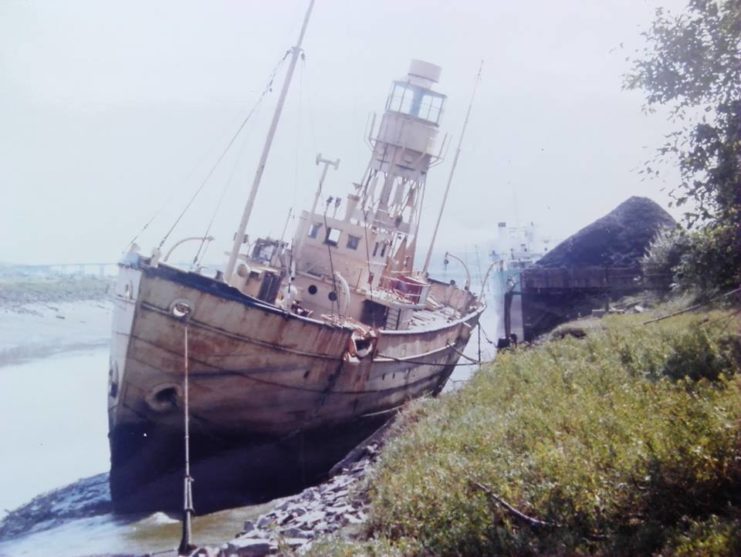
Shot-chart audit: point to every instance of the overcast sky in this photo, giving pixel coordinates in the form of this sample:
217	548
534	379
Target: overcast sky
113	112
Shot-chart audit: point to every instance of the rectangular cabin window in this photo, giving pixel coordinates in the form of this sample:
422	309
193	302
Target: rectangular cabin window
333	236
383	249
353	241
375	250
314	230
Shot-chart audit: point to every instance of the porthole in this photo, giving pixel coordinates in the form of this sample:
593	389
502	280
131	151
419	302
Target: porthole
332	296
312	289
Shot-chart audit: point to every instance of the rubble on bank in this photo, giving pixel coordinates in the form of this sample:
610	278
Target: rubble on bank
339	505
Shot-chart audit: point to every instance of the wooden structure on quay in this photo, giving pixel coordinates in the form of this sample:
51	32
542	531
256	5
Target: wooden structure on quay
551	296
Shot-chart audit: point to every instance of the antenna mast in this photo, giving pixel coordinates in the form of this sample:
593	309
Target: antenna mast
238	239
452	170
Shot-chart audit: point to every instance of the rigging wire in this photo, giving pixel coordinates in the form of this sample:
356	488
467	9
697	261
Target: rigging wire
331	263
267	89
299	122
169	198
204	244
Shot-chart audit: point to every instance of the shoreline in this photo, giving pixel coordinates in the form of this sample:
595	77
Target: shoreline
43	329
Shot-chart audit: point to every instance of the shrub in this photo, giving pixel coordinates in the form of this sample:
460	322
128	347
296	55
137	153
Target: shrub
662	257
605	439
712	261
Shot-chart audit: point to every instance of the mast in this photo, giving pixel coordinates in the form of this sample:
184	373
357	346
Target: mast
238	239
452	170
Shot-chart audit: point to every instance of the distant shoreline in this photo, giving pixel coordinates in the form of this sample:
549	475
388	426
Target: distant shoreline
41	316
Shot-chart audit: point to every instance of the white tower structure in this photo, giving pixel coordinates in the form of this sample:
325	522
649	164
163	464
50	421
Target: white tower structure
390	194
375	240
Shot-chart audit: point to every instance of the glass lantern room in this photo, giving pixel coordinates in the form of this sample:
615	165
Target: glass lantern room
416	101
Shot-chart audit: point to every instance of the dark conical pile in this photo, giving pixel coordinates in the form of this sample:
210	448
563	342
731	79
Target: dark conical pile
620	238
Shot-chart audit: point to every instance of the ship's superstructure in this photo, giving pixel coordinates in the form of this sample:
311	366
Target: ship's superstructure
299	340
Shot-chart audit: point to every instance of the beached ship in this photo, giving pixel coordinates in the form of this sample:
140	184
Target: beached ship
297	349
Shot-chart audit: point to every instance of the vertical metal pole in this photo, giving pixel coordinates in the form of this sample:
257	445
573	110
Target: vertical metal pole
479	331
295	52
452	171
185	545
327	163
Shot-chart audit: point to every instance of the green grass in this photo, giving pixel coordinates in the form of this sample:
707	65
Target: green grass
626	442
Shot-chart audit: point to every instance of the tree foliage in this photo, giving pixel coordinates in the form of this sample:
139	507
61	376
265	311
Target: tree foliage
692	64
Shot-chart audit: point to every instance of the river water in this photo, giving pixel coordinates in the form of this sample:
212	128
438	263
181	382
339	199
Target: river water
53	426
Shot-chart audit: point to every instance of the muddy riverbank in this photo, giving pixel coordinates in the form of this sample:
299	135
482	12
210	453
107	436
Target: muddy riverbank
78	520
52	403
43	316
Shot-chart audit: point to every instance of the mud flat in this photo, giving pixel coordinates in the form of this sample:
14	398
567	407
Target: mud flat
40	330
77	519
42	316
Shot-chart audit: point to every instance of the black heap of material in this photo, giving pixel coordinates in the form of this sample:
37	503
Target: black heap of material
619	239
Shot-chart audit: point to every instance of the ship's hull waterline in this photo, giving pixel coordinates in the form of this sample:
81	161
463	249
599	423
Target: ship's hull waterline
278	395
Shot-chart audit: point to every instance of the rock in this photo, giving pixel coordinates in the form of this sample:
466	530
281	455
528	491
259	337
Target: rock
311	518
352	519
296	533
248	547
294	543
299	520
205	552
563	332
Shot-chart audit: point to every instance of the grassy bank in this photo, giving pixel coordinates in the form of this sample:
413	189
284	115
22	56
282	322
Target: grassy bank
625	442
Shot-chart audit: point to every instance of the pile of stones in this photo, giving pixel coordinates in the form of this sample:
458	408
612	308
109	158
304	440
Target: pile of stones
341	503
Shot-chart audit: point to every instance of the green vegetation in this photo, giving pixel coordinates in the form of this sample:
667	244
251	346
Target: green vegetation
625	442
692	65
19	290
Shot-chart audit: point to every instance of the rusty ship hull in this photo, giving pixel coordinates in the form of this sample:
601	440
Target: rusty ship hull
279	395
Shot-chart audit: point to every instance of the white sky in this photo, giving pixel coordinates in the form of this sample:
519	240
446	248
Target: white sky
108	110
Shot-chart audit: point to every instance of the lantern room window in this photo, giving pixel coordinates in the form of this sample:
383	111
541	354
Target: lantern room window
416	101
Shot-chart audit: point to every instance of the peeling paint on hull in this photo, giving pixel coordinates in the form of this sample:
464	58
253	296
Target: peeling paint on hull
259	377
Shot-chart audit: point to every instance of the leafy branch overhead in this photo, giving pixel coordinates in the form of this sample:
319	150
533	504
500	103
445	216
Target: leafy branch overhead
692	64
